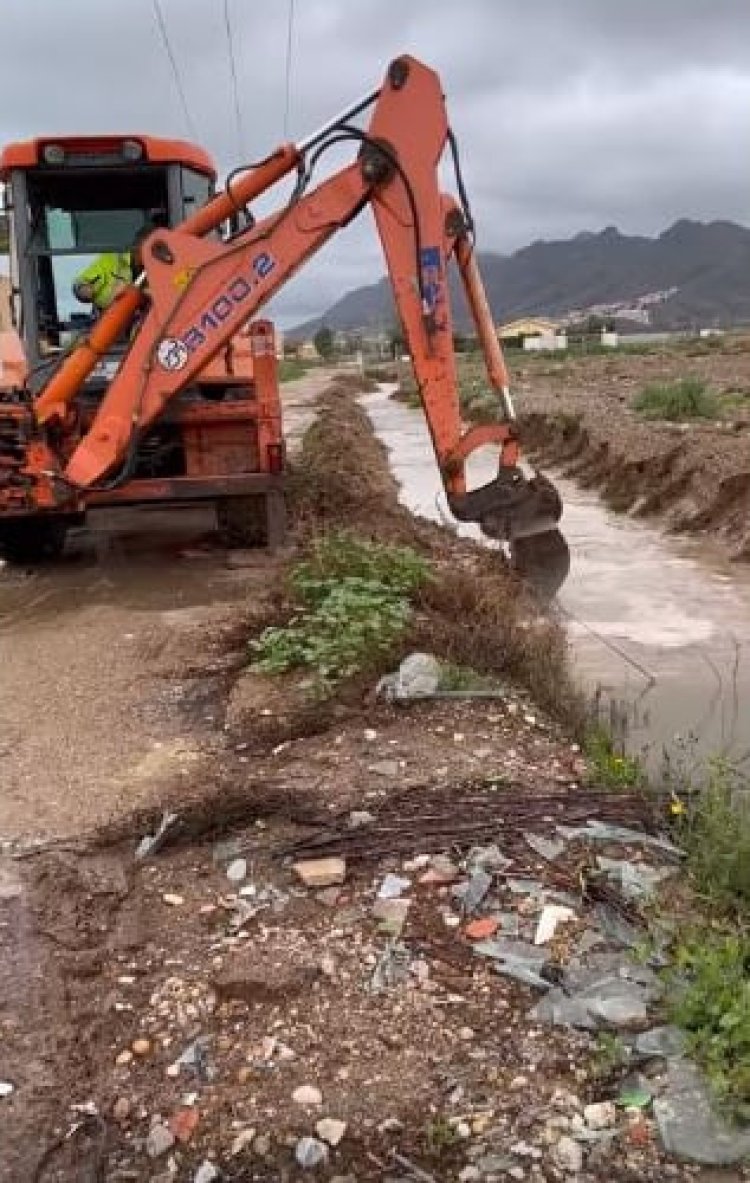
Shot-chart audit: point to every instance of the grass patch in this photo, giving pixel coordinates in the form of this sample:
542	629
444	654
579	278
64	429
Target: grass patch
354	604
455	678
711	1003
293	367
684	399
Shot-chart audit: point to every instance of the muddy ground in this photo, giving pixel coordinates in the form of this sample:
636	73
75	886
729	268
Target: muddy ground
695	477
158	1017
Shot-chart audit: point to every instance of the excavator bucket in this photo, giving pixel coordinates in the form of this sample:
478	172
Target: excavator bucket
524	512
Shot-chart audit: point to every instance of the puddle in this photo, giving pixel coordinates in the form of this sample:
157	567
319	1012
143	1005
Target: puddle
660	628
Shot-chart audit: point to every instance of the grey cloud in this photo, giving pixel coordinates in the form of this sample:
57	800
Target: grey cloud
571	115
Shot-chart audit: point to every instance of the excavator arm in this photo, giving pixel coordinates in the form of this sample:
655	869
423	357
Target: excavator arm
196	292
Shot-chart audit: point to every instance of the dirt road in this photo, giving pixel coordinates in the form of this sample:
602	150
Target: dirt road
100	710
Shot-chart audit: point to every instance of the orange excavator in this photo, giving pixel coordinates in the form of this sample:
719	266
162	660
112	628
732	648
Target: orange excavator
171	393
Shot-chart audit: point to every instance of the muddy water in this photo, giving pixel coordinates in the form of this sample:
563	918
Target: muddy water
658	628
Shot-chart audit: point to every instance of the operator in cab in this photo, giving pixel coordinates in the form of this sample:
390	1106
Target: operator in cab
100	282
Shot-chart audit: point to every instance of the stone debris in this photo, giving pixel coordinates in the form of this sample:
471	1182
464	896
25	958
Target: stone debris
330	1130
516	959
391	914
636	881
307	1094
661	1041
389	769
600	1115
568	1155
310	1152
237	870
207	1172
360	817
173	900
160	1139
551	916
471	893
321	872
609	991
596	831
6	1088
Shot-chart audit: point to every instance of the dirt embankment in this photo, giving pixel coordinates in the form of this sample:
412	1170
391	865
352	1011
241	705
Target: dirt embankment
577	414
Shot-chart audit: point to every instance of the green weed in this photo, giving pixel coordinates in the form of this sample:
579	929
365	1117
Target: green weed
461	677
609	1055
710	1001
687	398
354	605
608	767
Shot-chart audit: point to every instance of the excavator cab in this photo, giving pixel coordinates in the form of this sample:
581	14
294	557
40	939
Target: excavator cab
69	201
72	200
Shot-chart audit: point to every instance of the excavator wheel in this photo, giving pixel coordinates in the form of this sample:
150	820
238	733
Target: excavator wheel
542	561
33	540
243	521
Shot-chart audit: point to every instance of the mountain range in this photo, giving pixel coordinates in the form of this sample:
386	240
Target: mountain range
707	263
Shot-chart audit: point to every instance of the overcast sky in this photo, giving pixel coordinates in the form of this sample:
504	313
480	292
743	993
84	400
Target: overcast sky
572	114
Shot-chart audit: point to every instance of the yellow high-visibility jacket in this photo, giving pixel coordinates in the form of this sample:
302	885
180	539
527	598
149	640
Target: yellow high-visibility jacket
106	276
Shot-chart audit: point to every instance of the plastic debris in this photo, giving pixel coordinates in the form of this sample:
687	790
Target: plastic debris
688	1125
596	831
418	676
516	959
472	891
546	848
392	887
310	1152
151	844
392	967
551	916
609	991
636	881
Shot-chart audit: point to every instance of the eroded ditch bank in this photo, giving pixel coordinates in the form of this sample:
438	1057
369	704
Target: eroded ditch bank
221	1020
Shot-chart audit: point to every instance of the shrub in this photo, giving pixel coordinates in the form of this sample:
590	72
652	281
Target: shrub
687	398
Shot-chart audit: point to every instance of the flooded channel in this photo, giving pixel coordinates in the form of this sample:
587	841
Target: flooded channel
657	628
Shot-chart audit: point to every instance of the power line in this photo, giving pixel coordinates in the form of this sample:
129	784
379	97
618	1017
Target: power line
233	70
175	70
288	85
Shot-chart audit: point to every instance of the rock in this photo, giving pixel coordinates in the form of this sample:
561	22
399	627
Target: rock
207	1172
360	817
391	914
328	966
265	973
237	870
440	872
609	990
688	1124
141	1047
262	1145
321	872
121	1109
392	887
480	930
465	1033
309	1152
307	1094
160	1139
331	1130
242	1141
385	768
173	900
469	1174
369	734
568	1155
123	1058
661	1041
516	959
184	1122
600	1115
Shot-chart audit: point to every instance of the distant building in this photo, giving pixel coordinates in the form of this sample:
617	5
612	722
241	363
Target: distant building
518	331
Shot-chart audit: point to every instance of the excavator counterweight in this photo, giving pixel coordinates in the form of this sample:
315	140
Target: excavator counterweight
199	287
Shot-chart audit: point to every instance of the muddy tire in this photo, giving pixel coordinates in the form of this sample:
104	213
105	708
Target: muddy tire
33	540
243	521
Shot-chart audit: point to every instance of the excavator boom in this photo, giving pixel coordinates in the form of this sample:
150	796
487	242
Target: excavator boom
196	292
